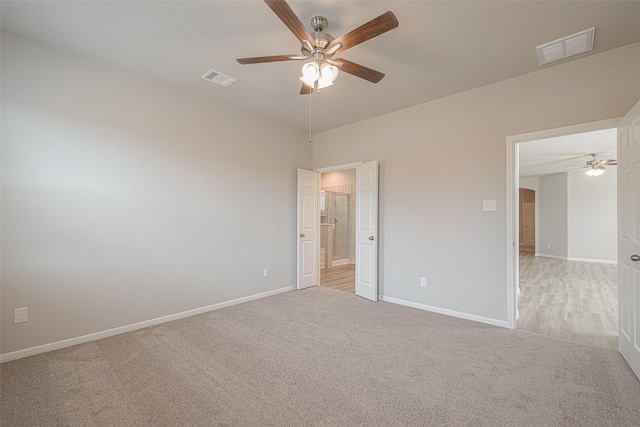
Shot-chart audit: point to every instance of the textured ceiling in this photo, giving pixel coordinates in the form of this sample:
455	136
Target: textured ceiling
439	49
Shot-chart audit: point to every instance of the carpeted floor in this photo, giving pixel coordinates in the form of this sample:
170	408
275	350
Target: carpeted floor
321	357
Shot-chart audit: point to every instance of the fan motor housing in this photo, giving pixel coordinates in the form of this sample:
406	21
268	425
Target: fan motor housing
321	40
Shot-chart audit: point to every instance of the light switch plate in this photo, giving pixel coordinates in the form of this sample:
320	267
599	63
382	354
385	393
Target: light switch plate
488	205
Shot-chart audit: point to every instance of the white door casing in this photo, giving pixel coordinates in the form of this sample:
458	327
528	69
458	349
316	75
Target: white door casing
629	238
308	229
367	230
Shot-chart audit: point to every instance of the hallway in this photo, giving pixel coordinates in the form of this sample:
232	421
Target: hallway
573	301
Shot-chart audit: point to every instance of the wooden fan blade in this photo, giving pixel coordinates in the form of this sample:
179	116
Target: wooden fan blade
274	58
305	90
380	25
360	71
290	19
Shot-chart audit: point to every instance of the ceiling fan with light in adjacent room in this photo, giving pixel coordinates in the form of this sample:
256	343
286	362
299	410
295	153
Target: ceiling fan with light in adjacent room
597	167
320	48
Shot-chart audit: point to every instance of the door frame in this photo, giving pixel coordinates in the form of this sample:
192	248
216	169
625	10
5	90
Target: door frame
512	202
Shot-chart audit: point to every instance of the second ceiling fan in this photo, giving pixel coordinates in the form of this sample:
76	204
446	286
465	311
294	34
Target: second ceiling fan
319	49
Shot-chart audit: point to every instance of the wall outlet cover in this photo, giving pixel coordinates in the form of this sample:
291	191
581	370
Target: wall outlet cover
20	315
488	205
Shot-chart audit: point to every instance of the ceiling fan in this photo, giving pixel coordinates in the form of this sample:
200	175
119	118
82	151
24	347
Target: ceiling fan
597	167
320	48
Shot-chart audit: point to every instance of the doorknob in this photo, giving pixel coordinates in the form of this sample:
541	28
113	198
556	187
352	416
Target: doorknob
635	258
301	234
371	238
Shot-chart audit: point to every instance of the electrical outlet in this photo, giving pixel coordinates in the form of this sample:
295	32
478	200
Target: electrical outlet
548	245
266	272
20	314
423	282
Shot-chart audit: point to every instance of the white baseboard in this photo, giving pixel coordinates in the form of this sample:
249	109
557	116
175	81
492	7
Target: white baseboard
601	261
564	258
439	310
341	262
19	354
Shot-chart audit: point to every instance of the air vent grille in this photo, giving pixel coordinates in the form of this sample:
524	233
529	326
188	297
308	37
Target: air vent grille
565	47
219	78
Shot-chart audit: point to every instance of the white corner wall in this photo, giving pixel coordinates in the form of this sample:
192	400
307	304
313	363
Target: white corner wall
431	218
554	205
592	225
125	200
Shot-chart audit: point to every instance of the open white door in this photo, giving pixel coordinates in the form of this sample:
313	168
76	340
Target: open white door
629	238
367	230
308	228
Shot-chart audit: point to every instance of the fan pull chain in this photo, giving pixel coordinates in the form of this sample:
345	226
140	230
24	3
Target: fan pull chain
310	134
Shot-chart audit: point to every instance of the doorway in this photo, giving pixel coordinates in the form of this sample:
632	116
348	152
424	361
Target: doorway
527	219
366	227
337	230
564	275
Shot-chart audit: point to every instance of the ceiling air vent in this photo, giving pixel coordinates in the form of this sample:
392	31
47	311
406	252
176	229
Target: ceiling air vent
565	47
219	78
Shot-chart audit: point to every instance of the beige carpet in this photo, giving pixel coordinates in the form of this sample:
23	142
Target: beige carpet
321	357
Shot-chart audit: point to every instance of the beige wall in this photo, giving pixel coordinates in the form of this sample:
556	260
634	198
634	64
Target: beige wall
125	200
593	216
441	159
343	177
554	205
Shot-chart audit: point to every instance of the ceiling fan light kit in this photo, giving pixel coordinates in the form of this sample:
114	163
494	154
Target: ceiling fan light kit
323	74
595	171
597	167
322	70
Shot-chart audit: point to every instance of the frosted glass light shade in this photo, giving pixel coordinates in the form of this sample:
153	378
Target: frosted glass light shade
594	172
328	71
310	73
324	82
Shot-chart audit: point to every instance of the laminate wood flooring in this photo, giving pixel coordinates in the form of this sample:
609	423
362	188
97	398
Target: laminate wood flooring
574	301
342	277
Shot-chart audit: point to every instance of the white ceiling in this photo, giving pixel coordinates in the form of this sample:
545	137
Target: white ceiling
440	47
566	153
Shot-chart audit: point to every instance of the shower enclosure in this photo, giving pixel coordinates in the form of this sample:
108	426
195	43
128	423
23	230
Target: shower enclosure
335	233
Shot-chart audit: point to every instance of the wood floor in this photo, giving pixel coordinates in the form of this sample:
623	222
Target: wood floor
574	301
342	278
569	300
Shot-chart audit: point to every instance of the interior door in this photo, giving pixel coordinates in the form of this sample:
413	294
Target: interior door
529	224
629	238
367	230
308	229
